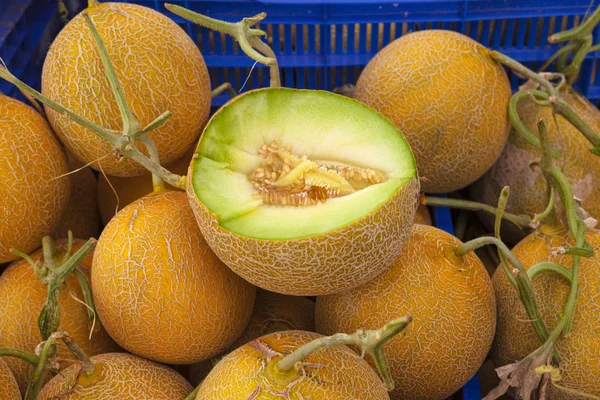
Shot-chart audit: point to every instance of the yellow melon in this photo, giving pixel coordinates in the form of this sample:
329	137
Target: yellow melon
581	167
332	374
130	189
22	297
33	194
159	67
81	215
515	338
118	376
336	206
9	390
451	300
160	291
448	97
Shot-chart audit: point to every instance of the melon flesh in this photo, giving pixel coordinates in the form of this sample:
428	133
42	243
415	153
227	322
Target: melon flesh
329	245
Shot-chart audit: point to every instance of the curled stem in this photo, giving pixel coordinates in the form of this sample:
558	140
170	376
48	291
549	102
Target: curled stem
224	87
242	31
549	211
522	221
549	267
369	341
581	30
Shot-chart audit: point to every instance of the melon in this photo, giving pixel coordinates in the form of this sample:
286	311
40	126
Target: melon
22	297
9	390
515	337
249	372
451	300
580	166
81	216
159	68
117	376
35	190
160	291
448	97
303	192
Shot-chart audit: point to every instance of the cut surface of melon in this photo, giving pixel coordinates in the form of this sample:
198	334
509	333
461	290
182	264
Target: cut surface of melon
346	162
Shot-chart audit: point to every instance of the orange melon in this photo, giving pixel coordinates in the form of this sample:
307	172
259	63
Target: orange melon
9	390
335	373
34	193
22	297
118	376
515	337
159	67
448	97
451	300
160	291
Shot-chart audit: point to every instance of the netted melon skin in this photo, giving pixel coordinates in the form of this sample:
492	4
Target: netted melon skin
159	67
451	300
160	291
336	373
515	337
316	265
125	376
448	98
34	190
9	390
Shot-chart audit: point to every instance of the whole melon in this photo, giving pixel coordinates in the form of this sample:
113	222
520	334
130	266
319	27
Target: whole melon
130	189
515	337
9	390
303	192
335	373
22	297
448	97
118	376
159	67
81	215
451	299
34	191
581	167
160	291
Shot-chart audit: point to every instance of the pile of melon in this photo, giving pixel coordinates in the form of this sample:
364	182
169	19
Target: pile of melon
283	249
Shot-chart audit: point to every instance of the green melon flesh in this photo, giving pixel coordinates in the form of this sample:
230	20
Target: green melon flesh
322	126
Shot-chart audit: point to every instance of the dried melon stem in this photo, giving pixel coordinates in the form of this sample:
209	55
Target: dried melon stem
284	178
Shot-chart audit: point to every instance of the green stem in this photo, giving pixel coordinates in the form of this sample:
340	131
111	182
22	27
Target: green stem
581	30
572	70
565	110
157	183
522	221
225	87
39	373
26	356
49	317
242	31
88	366
524	284
86	289
549	211
565	50
370	341
546	267
523	71
130	124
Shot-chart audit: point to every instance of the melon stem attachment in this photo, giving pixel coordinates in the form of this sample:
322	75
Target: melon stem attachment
369	341
522	221
88	367
242	31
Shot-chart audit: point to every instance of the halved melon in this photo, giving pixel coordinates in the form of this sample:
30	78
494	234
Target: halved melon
303	192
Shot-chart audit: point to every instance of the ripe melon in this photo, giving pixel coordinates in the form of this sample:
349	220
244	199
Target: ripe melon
118	376
581	167
451	300
9	390
22	297
335	373
130	189
34	195
159	67
160	291
81	215
303	192
448	97
515	338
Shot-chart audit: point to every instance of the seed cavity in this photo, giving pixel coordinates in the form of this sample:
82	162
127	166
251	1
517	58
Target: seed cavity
284	178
